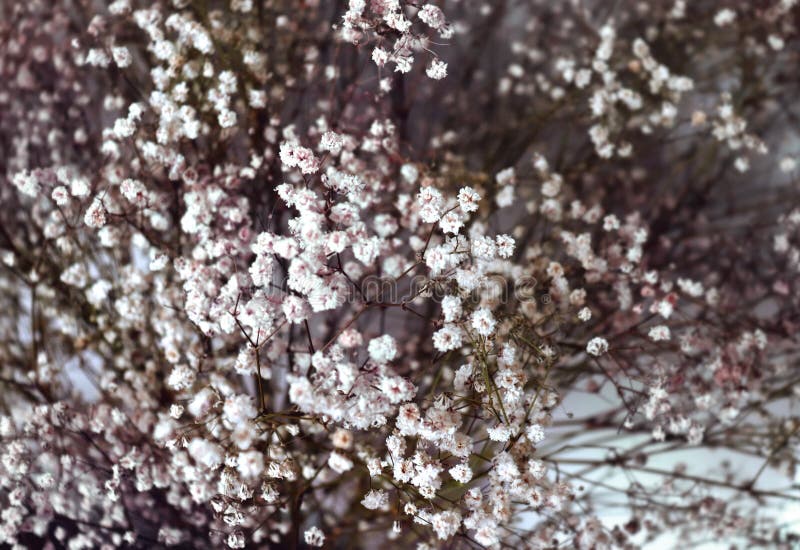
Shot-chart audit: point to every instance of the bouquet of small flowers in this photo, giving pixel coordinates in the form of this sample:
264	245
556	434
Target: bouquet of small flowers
348	274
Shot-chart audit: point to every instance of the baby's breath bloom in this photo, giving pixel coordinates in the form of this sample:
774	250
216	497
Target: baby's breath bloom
437	70
597	346
375	499
314	536
483	321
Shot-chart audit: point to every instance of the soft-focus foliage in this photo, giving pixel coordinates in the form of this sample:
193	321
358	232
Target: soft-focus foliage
348	273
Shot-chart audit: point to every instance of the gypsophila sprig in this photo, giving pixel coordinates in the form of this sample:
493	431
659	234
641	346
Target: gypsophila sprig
402	274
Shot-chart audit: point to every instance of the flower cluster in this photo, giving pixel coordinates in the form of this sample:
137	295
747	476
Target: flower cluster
269	282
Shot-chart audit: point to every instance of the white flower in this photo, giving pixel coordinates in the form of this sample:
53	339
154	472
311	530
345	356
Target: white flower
238	408
227	119
438	258
181	377
95	215
75	275
331	141
610	223
451	308
250	464
375	499
483	247
451	222
79	187
60	196
446	524
409	172
468	199
537	468
505	467
664	308
159	261
437	70
314	536
295	309
447	338
397	389
501	432
461	473
483	321
382	349
505	246
724	17
432	16
205	453
26	183
236	540
597	346
339	463
506	176
257	99
293	155
659	333
396	20
403	63
123	128
202	402
380	56
487	535
534	433
505	197
775	42
121	55
430	203
690	287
